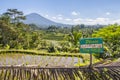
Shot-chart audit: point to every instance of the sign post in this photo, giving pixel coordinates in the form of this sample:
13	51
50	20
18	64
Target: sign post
91	45
90	60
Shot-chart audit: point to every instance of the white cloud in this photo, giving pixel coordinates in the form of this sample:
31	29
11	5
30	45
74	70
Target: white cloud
88	21
101	19
91	21
108	13
60	18
116	21
46	15
59	15
74	13
78	19
54	18
68	19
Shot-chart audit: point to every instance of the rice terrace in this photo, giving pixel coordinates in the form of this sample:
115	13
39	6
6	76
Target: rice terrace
59	40
56	71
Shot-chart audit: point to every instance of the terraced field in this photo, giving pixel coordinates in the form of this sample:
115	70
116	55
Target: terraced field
23	65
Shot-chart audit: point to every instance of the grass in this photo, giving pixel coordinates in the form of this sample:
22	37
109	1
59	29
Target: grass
54	36
37	52
86	58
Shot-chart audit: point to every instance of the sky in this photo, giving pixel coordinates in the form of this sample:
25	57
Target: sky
69	11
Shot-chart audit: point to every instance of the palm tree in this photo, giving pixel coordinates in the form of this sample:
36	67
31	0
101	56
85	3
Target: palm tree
74	37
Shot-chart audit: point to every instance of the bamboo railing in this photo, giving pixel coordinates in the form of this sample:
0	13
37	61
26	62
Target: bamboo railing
59	73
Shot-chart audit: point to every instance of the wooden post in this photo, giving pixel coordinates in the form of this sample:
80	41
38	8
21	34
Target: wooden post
90	60
90	66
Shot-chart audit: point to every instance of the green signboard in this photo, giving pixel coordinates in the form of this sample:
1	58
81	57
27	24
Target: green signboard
91	45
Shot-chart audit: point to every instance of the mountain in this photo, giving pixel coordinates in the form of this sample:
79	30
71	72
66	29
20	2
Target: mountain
41	21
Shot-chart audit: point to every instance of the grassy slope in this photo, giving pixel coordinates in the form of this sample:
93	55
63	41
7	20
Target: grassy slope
35	52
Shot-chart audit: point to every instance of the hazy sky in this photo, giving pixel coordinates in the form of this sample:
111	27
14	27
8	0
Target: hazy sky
69	11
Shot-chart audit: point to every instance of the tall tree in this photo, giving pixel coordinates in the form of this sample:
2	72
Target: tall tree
15	15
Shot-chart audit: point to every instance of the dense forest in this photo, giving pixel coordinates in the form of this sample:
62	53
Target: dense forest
14	34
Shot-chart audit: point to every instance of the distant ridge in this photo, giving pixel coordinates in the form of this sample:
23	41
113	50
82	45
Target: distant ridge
41	21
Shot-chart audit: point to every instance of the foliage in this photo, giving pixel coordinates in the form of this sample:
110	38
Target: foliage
15	15
73	37
17	36
111	37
